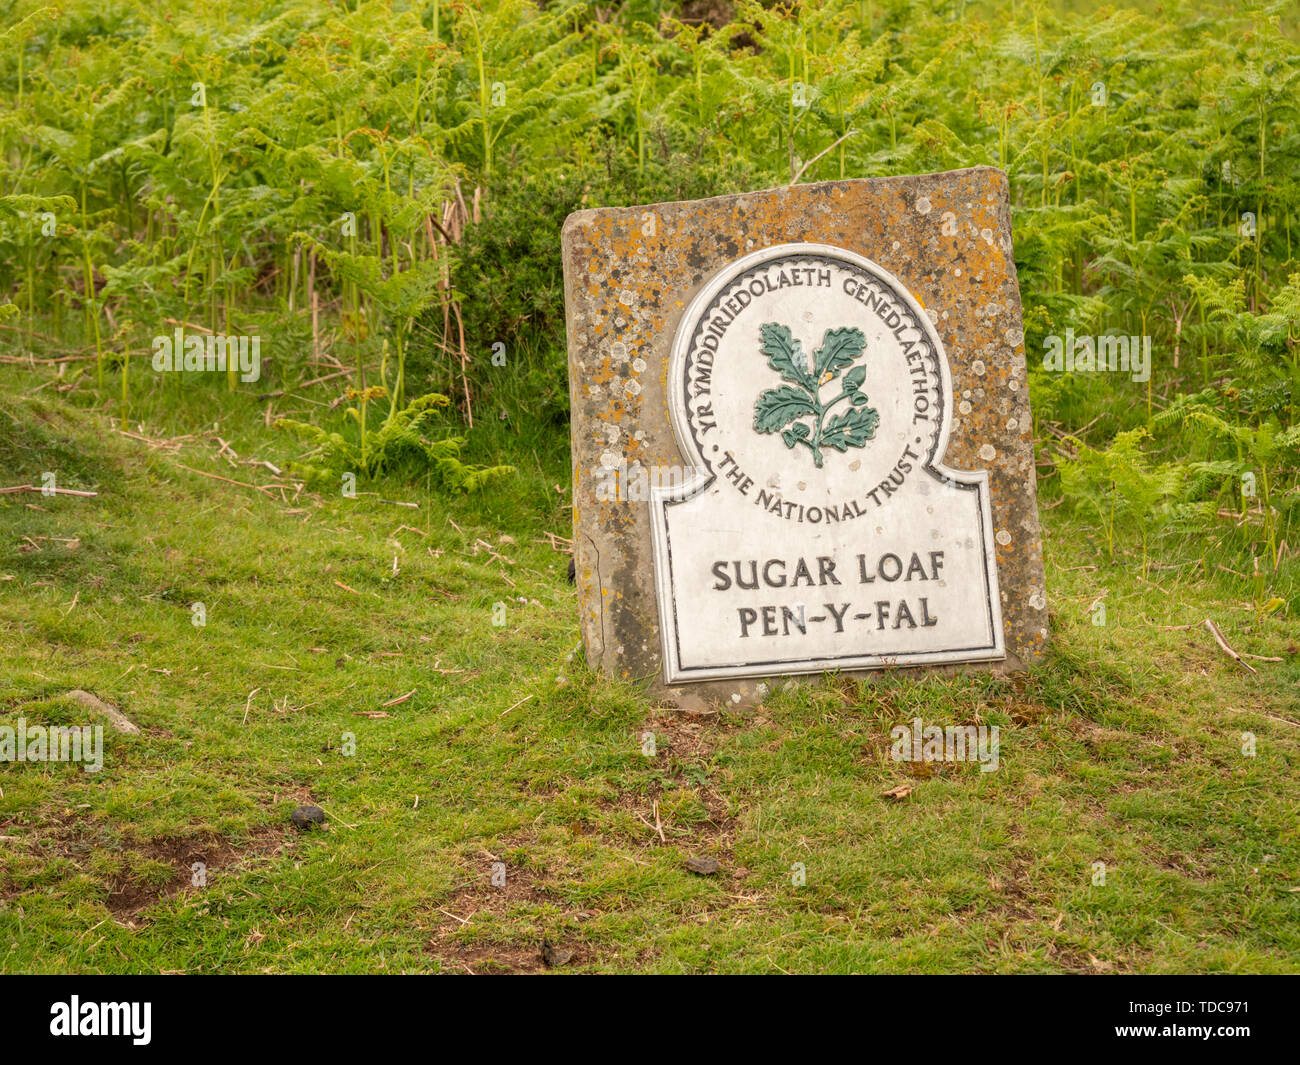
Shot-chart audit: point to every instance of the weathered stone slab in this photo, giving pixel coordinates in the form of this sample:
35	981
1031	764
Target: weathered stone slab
801	435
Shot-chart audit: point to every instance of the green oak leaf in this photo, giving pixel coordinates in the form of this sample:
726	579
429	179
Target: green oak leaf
839	348
853	428
796	434
785	354
778	406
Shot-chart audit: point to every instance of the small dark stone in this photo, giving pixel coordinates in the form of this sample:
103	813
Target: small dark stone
573	572
306	816
553	955
702	866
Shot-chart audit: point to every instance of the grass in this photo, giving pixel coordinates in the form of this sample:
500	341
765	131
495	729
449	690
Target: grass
1125	748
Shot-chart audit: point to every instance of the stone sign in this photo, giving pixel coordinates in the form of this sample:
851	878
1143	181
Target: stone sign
801	435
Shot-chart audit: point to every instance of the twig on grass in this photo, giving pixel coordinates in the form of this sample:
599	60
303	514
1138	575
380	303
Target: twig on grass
511	707
1218	637
1275	717
265	490
557	543
174	444
628	858
322	380
391	502
115	716
188	325
657	826
45	491
336	817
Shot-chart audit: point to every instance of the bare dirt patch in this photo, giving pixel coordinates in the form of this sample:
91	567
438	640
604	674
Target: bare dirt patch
485	904
678	734
129	895
144	871
683	750
483	960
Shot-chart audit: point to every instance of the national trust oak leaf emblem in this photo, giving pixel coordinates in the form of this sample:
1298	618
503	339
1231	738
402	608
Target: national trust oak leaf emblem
796	409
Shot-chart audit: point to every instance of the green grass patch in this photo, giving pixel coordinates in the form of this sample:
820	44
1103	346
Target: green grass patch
321	612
